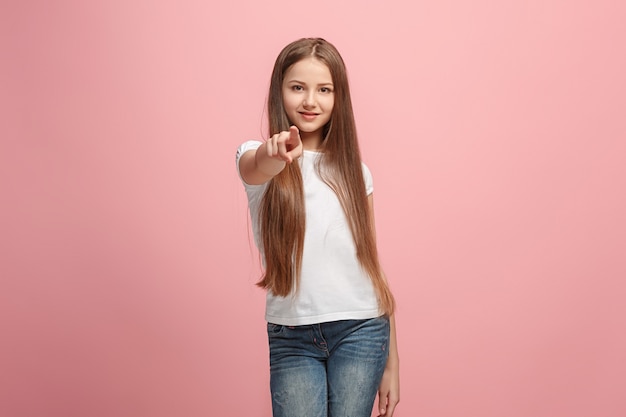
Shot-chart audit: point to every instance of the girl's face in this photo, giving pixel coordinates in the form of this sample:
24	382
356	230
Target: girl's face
308	97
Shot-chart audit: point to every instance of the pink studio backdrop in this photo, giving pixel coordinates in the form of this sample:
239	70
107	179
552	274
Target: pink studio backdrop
496	134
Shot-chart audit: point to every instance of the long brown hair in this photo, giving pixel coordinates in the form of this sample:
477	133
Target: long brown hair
282	213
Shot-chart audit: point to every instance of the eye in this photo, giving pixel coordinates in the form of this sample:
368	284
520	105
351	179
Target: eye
326	90
297	88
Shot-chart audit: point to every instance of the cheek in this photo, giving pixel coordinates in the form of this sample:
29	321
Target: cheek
329	103
289	102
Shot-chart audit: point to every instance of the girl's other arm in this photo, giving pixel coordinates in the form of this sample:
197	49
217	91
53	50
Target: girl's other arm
260	166
389	389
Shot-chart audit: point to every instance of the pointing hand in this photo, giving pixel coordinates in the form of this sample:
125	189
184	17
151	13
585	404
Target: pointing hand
286	145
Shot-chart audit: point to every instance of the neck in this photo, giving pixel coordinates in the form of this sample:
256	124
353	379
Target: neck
311	141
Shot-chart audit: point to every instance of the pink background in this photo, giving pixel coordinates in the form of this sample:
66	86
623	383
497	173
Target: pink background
496	134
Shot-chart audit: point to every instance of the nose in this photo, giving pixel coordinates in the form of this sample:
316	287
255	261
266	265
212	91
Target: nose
309	100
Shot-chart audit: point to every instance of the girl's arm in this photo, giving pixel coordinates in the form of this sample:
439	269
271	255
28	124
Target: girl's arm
260	166
389	389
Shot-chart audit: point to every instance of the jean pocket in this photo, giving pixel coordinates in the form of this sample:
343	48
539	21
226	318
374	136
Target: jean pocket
274	329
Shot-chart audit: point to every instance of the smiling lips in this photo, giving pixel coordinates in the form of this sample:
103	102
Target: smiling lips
308	115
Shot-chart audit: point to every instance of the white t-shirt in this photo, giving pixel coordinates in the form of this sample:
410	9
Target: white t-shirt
333	285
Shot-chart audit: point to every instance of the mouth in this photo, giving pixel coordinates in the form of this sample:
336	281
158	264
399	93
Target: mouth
308	115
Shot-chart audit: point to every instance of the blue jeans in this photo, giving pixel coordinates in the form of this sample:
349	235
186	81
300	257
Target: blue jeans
329	369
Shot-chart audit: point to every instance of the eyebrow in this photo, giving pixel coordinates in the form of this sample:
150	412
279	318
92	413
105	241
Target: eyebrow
302	82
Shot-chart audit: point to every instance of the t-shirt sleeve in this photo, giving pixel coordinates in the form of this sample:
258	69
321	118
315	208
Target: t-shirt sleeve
369	180
250	145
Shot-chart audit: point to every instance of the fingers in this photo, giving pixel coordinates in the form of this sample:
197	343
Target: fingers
285	145
282	151
391	406
387	403
277	148
294	134
382	403
295	143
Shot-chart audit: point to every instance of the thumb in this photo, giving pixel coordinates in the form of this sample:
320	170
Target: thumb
382	403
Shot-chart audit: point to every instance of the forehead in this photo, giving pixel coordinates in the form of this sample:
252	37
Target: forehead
309	69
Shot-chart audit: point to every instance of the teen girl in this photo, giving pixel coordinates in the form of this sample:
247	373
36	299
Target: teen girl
329	310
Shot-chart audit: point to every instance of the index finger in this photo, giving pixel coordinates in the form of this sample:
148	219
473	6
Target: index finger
294	133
